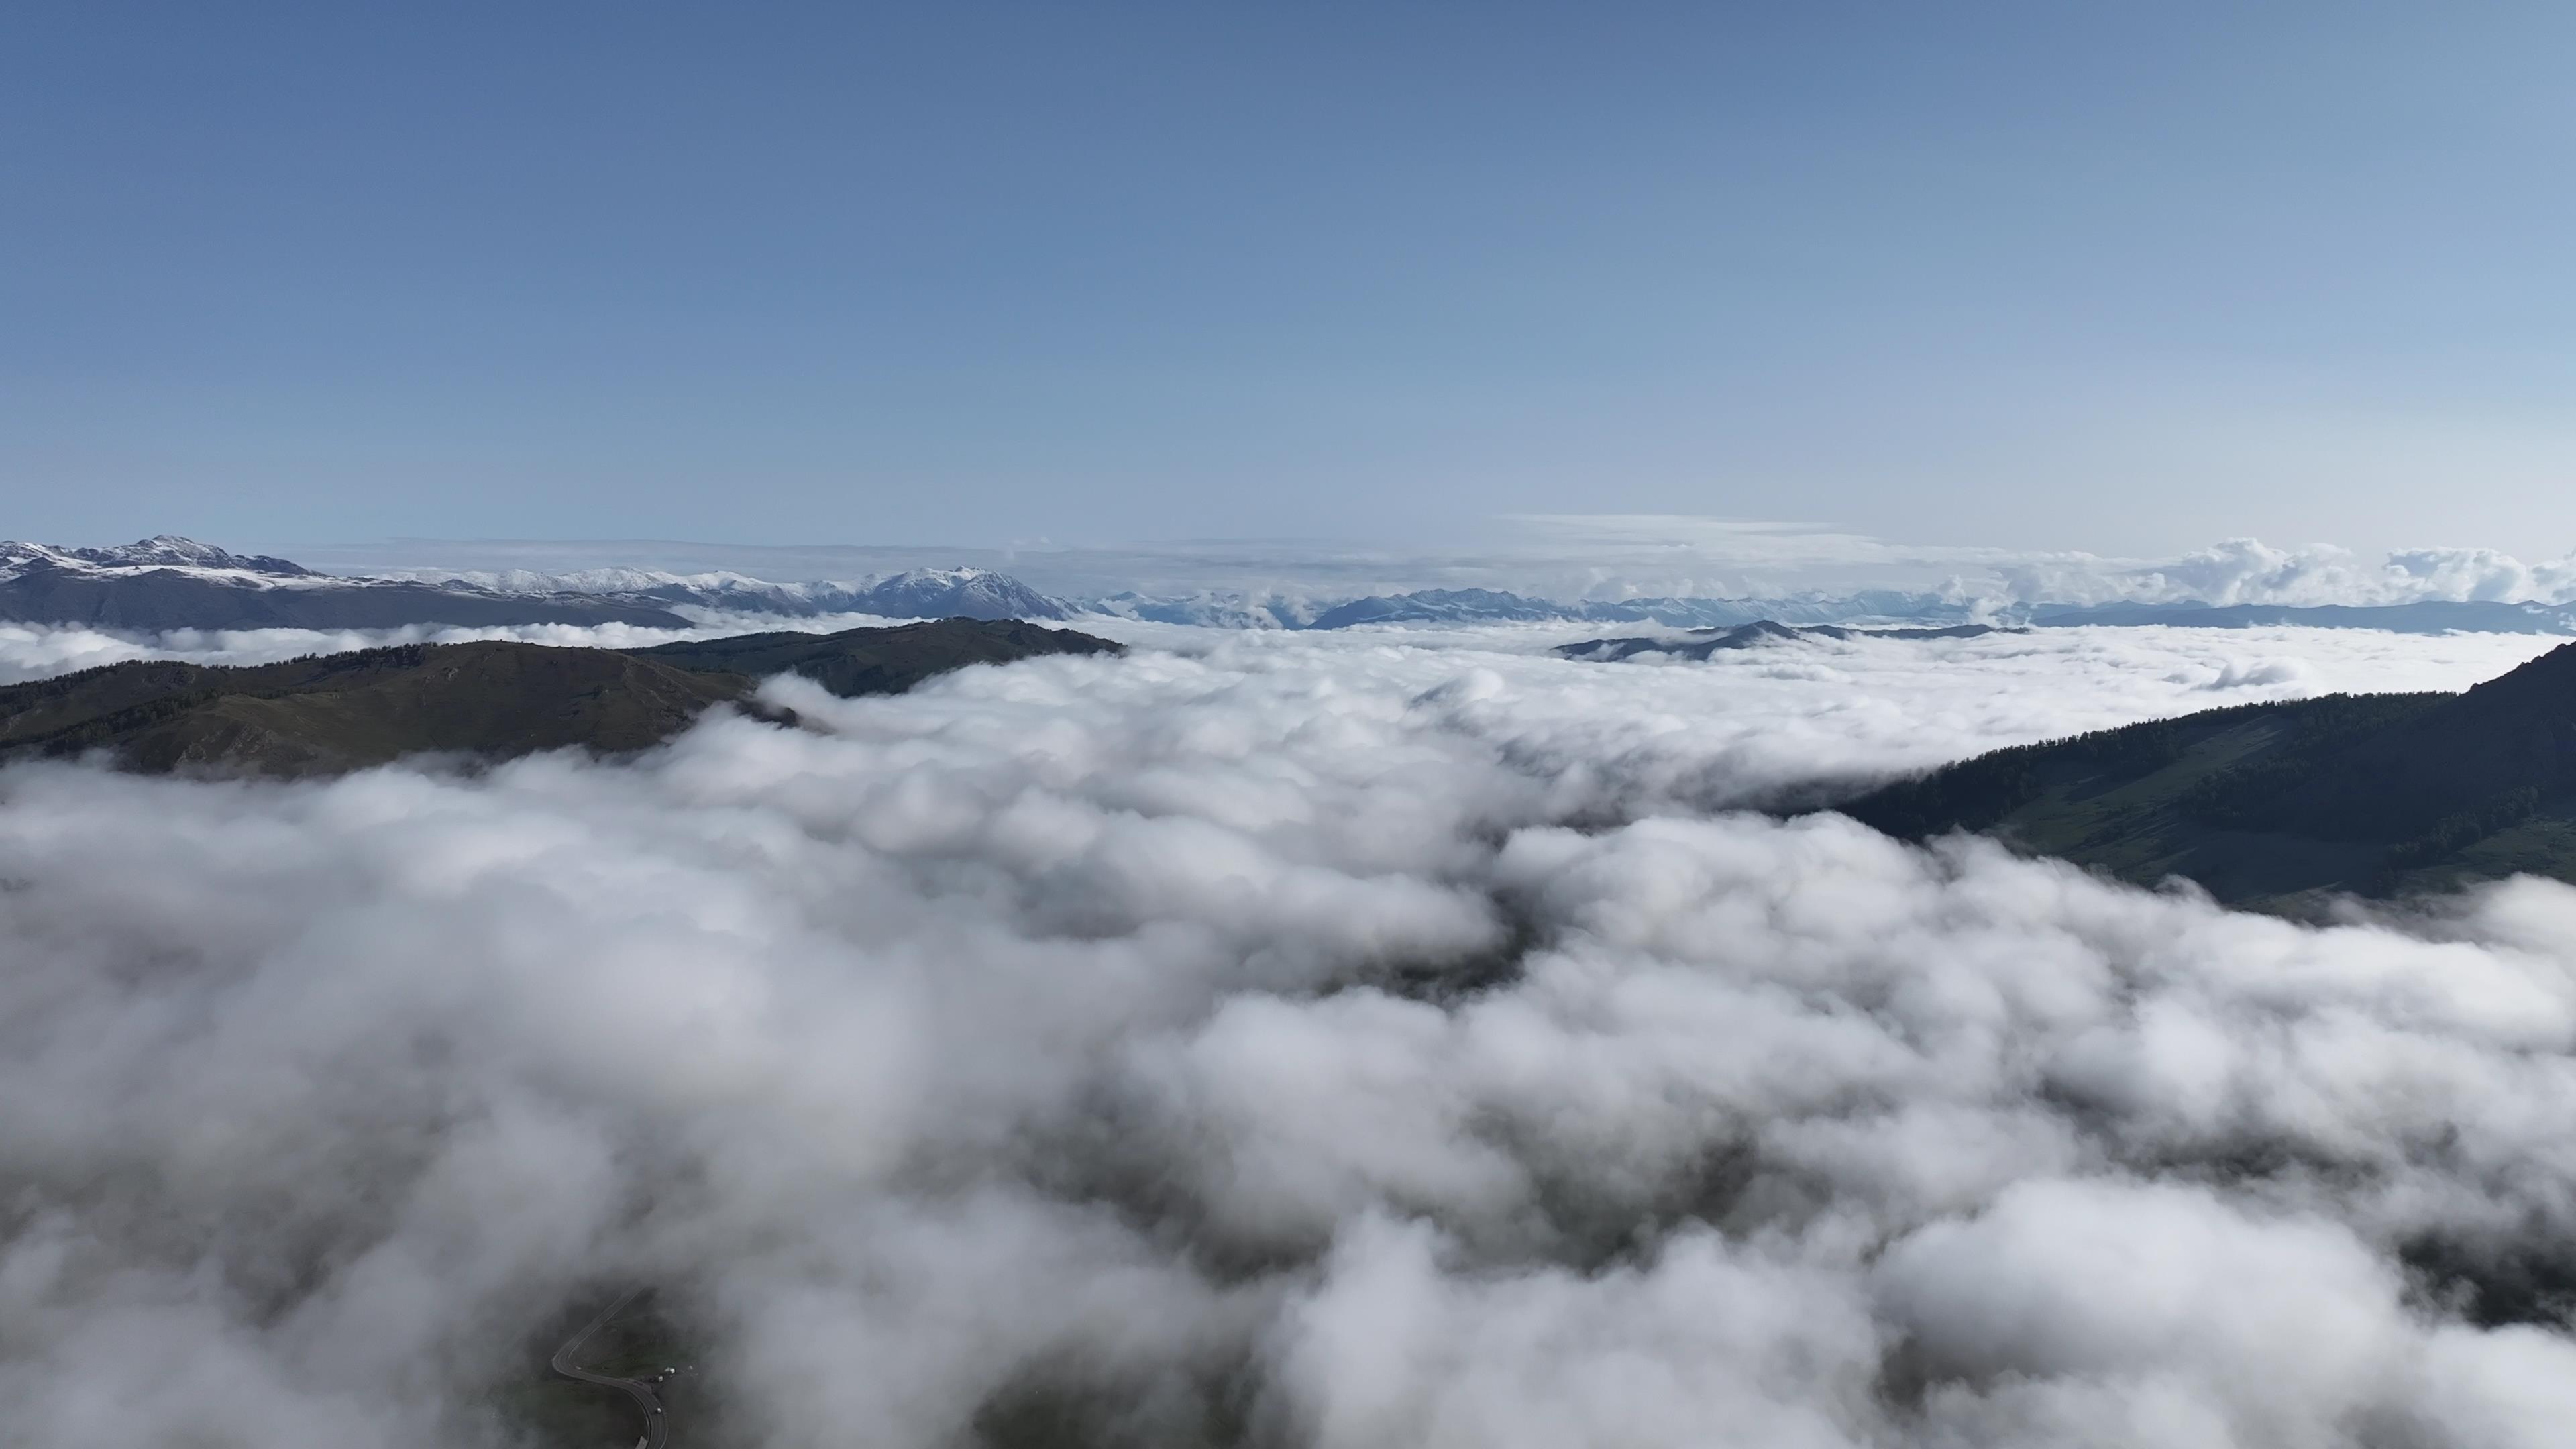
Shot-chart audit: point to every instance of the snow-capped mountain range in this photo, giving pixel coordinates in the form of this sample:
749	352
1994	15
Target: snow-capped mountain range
168	582
161	551
958	593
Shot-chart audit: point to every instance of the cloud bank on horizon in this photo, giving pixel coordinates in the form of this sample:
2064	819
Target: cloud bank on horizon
1566	557
2248	571
1304	1040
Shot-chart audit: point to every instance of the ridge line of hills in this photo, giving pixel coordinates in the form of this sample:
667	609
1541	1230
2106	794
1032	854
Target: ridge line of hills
487	700
2280	806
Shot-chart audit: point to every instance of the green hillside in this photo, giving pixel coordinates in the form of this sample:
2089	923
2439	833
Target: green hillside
2268	804
492	700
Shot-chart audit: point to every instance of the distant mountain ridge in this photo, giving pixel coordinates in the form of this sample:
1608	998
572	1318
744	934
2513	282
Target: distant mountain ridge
168	582
164	550
1206	609
955	593
1701	644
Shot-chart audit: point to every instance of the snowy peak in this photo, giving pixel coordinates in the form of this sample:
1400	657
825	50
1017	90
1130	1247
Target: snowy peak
161	551
169	582
169	550
958	593
961	593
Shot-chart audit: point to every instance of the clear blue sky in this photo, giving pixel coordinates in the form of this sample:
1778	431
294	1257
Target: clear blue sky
2118	277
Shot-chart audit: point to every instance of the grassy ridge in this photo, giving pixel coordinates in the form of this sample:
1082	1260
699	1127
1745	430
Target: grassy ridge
2269	804
324	714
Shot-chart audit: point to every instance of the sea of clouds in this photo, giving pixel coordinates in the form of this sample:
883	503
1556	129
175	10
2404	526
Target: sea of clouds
1347	1041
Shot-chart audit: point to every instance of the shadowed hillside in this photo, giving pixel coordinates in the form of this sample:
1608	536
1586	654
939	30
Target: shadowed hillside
2375	794
490	700
877	661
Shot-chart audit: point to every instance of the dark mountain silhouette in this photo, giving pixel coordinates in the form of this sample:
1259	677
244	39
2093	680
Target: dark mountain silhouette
491	700
2268	803
1701	643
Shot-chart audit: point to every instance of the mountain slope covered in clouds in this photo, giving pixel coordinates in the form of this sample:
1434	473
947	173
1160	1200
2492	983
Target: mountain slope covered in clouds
2375	794
488	700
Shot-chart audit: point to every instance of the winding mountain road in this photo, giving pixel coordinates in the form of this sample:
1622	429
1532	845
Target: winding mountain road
657	1425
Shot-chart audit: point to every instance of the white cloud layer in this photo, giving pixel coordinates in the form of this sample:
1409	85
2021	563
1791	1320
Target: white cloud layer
38	651
1584	556
1072	1034
2249	571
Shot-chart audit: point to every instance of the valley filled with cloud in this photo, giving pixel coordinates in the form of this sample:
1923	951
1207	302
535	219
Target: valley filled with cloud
1353	1040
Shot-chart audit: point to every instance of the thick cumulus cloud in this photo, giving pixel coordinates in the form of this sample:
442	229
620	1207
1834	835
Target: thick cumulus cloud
1281	1043
2250	571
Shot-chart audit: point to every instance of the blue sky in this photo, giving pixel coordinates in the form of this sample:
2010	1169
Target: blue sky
2126	278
